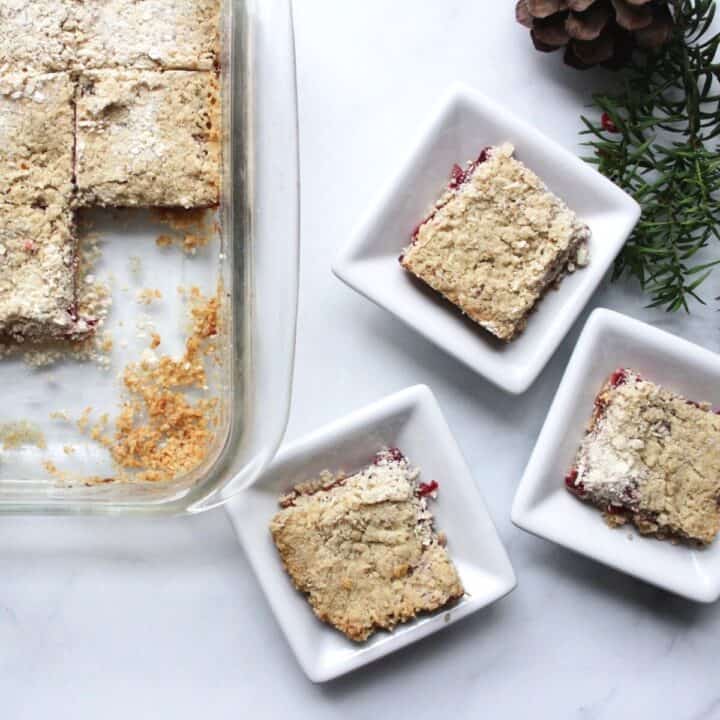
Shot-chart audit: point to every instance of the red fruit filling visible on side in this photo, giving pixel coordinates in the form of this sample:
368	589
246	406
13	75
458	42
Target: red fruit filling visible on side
572	486
427	488
618	377
615	510
458	177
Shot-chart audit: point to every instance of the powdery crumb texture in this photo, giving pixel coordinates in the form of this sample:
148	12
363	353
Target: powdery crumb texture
147	34
36	35
496	242
363	548
653	457
36	137
148	138
37	272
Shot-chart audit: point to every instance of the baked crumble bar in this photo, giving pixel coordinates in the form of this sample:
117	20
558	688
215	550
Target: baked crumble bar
363	548
496	241
37	271
148	138
147	34
653	458
36	137
36	35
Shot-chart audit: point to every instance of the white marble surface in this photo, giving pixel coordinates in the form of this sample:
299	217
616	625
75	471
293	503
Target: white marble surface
130	618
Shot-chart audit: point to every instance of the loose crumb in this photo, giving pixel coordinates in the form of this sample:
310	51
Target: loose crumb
162	430
21	433
193	229
147	296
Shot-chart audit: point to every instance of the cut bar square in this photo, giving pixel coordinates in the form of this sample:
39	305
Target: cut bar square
496	241
651	457
147	34
37	271
148	138
36	137
36	35
363	548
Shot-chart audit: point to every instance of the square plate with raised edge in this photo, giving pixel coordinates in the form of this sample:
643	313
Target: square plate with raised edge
544	507
462	124
412	421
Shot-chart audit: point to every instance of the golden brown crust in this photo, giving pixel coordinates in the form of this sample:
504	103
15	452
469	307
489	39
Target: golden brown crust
495	244
363	549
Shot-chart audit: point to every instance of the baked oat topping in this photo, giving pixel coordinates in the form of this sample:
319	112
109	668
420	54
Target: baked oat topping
148	139
36	35
37	272
652	457
147	34
36	137
496	241
363	548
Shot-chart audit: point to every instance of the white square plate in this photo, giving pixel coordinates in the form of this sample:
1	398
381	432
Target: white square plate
412	421
544	507
461	126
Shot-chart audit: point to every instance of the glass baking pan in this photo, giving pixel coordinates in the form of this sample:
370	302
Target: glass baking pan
49	411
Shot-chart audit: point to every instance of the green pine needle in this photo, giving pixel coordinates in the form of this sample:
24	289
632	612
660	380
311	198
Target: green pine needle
663	150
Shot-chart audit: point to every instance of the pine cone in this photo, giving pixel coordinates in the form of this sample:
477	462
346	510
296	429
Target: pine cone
596	32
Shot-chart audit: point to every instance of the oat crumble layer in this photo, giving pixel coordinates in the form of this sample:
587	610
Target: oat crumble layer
363	548
652	457
61	35
148	138
36	137
36	35
496	242
37	271
147	34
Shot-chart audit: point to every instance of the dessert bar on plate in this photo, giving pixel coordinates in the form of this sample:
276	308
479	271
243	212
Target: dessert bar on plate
651	457
363	548
453	263
148	138
496	241
331	533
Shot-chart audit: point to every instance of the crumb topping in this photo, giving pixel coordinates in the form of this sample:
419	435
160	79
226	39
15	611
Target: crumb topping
148	138
496	241
363	548
147	34
654	454
35	35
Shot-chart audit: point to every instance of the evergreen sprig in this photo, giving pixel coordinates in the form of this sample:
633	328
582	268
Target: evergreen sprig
658	137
